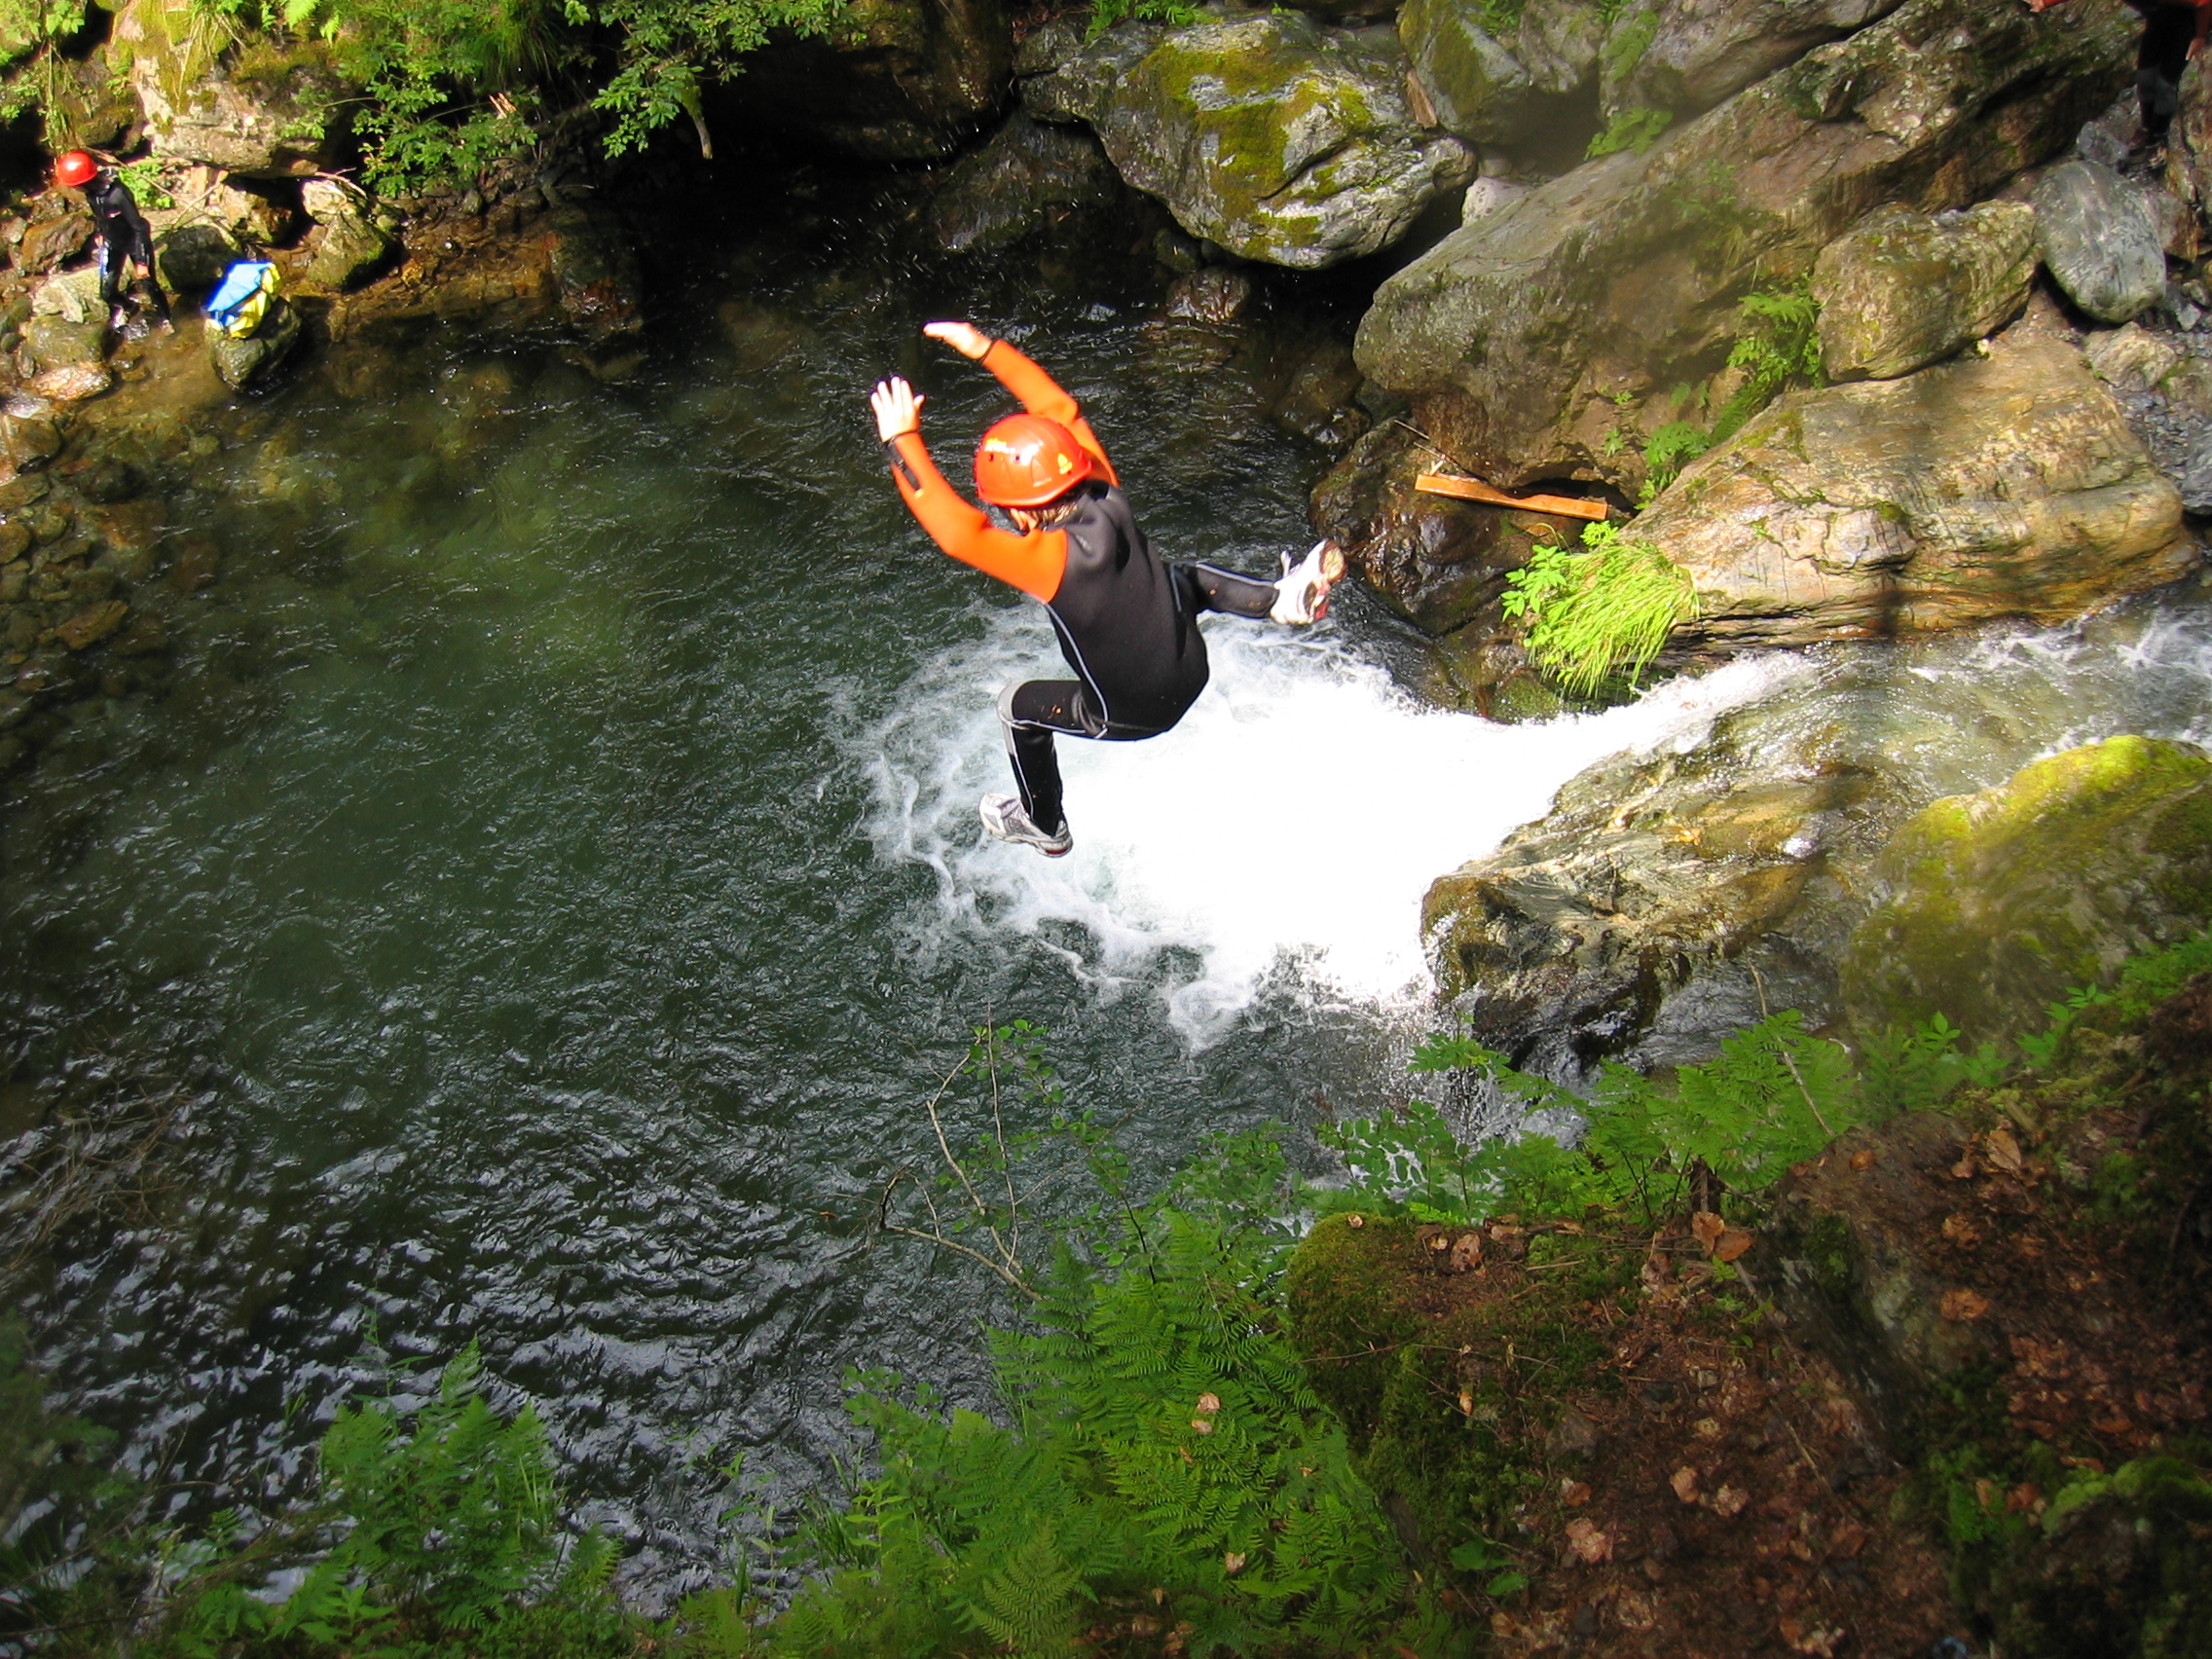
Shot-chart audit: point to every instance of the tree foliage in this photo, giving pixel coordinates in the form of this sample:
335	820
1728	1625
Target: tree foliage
453	87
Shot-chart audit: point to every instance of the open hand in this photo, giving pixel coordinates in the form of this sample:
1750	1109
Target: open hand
964	338
898	410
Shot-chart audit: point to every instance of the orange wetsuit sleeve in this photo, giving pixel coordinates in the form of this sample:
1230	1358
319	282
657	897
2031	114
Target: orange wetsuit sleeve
1033	563
1040	395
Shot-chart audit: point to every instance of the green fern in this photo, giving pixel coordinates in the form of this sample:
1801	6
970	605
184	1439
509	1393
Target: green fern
1600	612
1635	128
1772	1097
1780	347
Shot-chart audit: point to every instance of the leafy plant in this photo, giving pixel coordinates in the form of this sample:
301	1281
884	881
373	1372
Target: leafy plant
1105	13
1637	129
1166	1466
1599	611
147	187
439	1523
1773	1096
2144	982
68	1554
1907	1068
1779	345
453	87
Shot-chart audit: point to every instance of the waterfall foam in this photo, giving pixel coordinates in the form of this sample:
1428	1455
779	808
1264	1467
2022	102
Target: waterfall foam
1288	826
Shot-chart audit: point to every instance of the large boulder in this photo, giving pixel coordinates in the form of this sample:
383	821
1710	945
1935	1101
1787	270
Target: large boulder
1270	135
1492	78
1686	56
2102	239
1901	290
348	246
253	361
58	342
1663	896
1439	563
271	112
1025	177
2001	485
892	80
1540	341
1992	907
192	256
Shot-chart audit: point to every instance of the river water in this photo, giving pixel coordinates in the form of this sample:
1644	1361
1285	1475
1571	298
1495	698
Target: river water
557	889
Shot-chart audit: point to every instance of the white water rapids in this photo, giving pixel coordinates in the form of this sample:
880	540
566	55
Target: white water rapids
1291	823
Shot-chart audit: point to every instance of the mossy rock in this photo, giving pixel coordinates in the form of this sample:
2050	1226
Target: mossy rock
1991	907
1901	289
249	362
1281	141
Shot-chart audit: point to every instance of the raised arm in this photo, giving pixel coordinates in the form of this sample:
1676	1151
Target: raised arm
1033	563
1039	393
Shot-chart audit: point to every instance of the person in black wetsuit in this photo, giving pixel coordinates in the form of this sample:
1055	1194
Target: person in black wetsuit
125	239
1126	619
2173	32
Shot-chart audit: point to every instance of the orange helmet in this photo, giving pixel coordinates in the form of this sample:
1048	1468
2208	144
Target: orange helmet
75	167
1026	461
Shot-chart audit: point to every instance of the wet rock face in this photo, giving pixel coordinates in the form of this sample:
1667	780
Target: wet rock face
2162	381
1436	562
249	362
894	80
1689	57
1578	936
2102	239
1901	290
1538	341
1028	176
1489	87
1279	141
2000	486
193	257
595	271
1992	907
281	116
348	246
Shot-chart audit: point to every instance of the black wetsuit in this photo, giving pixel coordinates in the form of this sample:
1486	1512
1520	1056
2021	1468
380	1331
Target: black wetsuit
1128	625
2169	31
125	238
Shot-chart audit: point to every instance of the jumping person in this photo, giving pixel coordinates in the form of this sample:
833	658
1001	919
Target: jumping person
2173	33
1126	619
123	236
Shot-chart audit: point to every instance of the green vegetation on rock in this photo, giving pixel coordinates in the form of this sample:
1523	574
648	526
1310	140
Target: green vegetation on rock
453	85
1600	612
1780	347
2001	901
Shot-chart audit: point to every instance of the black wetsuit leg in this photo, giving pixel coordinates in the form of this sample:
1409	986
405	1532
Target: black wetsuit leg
1208	587
115	264
2168	31
1031	713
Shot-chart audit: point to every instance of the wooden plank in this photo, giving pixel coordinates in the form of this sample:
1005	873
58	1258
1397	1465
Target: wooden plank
1475	489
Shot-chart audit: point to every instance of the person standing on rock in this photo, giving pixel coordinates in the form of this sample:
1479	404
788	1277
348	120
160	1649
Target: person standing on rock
1126	619
123	236
2173	33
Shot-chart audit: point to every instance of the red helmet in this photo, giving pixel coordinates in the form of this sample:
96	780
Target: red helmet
1026	461
75	167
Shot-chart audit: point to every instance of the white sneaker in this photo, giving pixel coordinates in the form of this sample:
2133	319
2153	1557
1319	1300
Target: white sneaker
1003	817
1303	593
